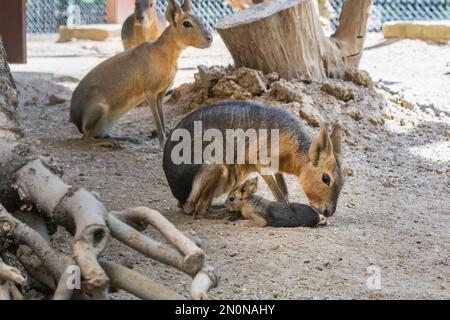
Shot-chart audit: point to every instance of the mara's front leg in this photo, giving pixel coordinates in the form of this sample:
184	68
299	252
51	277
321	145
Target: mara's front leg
274	187
279	177
159	104
204	188
152	100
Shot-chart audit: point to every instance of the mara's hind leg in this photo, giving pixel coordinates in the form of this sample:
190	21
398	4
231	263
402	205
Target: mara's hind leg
96	127
204	189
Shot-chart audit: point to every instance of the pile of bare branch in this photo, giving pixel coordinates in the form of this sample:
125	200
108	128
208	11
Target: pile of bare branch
34	197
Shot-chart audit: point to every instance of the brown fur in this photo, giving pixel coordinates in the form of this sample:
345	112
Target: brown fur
136	32
141	74
259	212
196	185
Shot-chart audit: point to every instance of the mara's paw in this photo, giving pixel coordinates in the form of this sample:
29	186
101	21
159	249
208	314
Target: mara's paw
246	223
188	208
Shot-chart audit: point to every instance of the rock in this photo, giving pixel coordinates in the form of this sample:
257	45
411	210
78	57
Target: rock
353	112
387	116
305	111
348	171
406	104
228	89
181	91
340	91
54	99
251	80
208	77
272	77
402	122
310	114
388	183
285	91
430	111
359	77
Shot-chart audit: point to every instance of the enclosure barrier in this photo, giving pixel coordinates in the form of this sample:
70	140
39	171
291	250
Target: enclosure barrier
45	16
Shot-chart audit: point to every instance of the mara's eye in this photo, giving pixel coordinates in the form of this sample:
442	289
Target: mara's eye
231	199
326	179
187	24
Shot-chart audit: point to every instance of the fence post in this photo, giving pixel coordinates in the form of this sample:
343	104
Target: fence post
12	30
118	10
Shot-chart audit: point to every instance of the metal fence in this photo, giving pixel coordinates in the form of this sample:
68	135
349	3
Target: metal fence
391	10
45	16
210	11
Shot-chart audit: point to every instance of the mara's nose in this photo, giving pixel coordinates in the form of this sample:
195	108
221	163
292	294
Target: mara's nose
140	18
209	37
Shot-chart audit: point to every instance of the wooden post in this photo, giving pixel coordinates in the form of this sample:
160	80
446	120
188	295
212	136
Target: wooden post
118	10
13	29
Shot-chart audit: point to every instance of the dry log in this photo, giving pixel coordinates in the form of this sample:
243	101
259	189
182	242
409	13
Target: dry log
5	293
15	293
20	233
9	277
204	281
193	256
36	270
137	284
145	245
10	274
63	291
286	37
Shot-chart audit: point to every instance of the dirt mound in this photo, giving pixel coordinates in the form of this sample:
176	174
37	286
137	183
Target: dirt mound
331	100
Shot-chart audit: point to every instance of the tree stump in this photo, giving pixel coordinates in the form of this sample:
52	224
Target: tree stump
286	37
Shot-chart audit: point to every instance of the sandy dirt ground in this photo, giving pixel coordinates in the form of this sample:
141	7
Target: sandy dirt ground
393	213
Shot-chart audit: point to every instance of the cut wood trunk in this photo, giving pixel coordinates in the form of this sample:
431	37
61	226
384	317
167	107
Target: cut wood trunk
286	37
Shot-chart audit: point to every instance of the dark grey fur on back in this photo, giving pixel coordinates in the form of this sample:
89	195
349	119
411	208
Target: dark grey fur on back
229	115
291	215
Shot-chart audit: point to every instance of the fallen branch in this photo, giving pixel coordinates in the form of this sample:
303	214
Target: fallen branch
193	258
20	233
137	284
204	281
4	291
11	274
63	291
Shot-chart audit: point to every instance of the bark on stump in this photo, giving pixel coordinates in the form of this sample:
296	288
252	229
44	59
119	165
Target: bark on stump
286	37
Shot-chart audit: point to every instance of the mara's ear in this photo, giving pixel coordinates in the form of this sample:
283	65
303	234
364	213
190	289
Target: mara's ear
321	144
249	187
186	6
336	141
173	12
